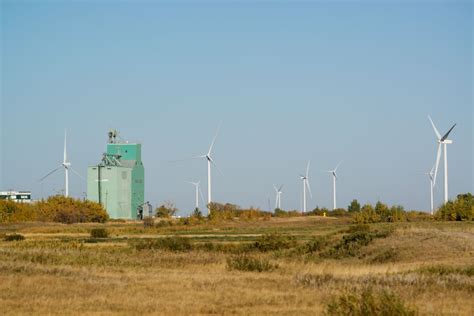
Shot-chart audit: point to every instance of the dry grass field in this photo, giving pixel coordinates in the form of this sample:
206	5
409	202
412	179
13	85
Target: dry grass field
306	265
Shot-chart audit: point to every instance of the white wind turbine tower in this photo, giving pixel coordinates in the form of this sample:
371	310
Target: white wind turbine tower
66	165
432	185
278	192
442	141
306	185
198	192
334	179
209	162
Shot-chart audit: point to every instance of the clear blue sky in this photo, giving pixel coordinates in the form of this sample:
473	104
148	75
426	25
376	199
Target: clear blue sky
350	81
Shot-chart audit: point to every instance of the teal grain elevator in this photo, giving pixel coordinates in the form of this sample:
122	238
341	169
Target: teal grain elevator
118	181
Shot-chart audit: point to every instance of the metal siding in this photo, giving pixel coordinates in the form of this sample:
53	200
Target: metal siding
123	187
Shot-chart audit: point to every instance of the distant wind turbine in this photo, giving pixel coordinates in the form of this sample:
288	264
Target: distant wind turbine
278	196
334	179
306	185
66	165
432	185
442	140
210	161
198	192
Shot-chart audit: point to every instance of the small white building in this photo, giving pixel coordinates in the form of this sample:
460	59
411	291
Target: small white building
16	196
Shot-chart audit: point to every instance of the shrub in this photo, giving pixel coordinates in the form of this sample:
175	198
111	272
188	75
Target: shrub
166	210
14	237
252	264
350	244
354	206
366	215
368	302
175	244
12	212
148	222
99	233
314	245
462	209
272	242
69	210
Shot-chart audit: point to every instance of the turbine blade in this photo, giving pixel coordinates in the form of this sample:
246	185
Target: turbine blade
447	134
307	168
309	188
186	159
65	146
276	190
438	157
77	174
50	173
338	166
279	190
202	196
434	128
214	140
212	161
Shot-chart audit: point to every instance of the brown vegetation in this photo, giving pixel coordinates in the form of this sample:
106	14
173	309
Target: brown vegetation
292	266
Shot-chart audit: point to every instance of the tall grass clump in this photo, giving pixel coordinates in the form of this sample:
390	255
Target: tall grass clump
445	270
273	242
174	244
368	302
250	264
14	237
99	233
350	244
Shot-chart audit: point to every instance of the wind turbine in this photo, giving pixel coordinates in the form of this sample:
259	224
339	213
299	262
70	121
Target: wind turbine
442	140
432	185
334	179
198	192
210	161
66	165
306	185
278	196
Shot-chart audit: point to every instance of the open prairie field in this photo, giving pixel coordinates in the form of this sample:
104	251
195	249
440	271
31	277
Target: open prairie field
294	266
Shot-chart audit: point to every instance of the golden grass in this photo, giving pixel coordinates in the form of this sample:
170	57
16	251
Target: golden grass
55	271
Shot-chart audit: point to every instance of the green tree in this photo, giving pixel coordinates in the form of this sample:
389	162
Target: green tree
366	215
166	210
382	210
354	206
459	210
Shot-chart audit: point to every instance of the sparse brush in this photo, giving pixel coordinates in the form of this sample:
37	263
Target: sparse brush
99	233
175	244
148	222
251	264
314	245
368	302
273	242
385	256
445	270
351	244
14	237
